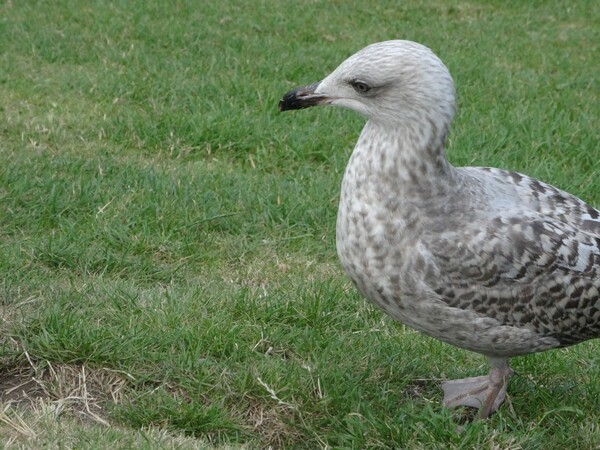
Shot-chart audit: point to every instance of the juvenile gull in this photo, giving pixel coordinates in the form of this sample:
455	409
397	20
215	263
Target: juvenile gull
481	258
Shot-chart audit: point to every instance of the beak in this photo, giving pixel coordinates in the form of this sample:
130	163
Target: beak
302	97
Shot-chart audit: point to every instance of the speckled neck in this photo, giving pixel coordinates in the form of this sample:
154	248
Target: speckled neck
412	156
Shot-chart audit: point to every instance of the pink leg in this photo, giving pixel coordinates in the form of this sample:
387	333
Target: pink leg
486	392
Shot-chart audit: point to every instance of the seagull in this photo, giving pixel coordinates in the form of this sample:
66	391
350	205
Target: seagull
481	258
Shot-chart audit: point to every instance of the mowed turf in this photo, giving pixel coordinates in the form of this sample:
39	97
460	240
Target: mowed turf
168	275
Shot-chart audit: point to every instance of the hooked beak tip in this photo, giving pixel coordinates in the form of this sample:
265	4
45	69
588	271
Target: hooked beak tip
302	97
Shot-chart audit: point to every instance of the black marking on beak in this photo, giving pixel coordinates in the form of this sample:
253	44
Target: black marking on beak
302	97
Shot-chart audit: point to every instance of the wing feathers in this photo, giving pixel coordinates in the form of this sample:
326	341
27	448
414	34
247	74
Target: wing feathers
536	267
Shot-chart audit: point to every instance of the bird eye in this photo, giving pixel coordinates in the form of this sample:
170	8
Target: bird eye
360	86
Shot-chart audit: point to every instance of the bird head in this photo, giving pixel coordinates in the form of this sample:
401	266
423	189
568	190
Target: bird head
391	82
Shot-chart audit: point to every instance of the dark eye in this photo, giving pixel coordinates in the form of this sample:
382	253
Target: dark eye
360	86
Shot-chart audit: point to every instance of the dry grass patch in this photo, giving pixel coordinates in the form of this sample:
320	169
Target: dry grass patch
41	426
79	390
273	423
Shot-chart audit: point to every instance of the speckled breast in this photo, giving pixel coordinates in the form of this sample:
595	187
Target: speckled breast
370	238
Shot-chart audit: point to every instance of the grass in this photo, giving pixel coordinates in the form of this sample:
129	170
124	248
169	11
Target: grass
168	275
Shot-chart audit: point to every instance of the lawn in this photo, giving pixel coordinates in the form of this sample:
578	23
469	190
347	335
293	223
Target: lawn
168	275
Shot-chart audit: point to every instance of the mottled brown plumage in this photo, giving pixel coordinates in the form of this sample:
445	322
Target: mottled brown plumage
485	259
